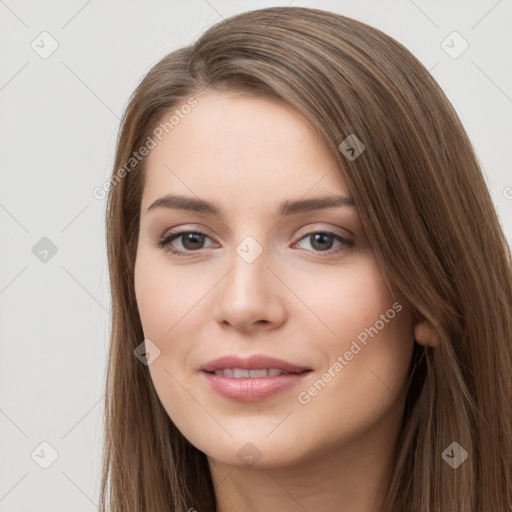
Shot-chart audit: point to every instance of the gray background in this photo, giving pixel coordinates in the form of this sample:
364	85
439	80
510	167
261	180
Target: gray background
59	121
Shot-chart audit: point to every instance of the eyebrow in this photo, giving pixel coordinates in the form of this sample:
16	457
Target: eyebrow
287	207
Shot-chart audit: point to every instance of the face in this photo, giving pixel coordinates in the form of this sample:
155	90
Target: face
253	274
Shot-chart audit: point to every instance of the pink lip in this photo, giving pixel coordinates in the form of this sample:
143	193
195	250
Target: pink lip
257	362
252	389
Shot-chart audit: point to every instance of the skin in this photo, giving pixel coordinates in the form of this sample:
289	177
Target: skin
293	302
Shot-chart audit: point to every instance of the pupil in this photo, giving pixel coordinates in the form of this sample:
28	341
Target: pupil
193	238
319	237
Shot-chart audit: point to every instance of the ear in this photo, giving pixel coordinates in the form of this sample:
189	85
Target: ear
426	334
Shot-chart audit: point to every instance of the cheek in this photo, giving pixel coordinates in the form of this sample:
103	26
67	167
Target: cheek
165	303
369	330
164	296
348	299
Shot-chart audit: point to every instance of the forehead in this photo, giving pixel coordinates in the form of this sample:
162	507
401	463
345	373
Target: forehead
230	145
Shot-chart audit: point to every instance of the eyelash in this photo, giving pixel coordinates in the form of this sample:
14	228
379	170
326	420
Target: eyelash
165	242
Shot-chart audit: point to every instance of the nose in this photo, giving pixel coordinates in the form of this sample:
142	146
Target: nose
250	297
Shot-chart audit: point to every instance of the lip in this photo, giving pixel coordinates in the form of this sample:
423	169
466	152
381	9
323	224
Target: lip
256	362
252	389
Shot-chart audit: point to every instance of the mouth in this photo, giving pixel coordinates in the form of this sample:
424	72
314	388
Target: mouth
241	373
252	379
240	365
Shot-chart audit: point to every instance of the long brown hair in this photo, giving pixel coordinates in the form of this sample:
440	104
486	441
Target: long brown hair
428	215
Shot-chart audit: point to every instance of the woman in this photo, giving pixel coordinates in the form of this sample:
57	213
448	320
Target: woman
311	288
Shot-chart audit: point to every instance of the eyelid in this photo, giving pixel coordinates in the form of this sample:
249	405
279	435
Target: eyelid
185	228
170	236
204	230
330	230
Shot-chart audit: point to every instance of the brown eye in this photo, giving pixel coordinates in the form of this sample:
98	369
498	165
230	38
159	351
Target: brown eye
322	241
191	241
